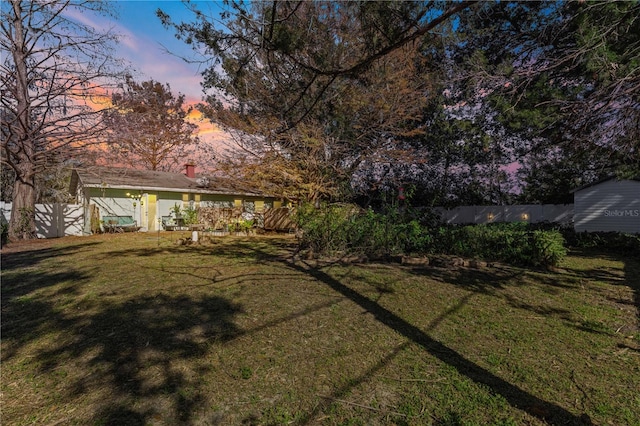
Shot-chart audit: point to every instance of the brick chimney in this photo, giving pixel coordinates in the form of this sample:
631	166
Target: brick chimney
190	170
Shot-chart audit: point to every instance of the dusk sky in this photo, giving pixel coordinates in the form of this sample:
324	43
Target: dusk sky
145	43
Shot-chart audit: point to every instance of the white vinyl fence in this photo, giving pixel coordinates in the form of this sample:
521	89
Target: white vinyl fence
59	220
52	220
532	213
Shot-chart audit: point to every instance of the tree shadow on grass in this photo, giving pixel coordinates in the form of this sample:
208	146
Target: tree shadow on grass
515	396
21	276
632	279
234	249
136	347
607	275
27	258
473	280
133	348
492	281
476	280
629	277
343	391
26	313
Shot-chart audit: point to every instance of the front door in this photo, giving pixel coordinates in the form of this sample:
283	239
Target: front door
152	212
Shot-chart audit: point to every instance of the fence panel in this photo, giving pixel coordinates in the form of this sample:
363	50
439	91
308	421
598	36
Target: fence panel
73	219
532	213
557	213
52	220
278	219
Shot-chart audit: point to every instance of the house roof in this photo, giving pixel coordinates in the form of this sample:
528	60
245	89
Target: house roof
149	180
598	182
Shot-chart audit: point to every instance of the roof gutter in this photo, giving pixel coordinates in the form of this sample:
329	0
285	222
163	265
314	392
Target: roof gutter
180	190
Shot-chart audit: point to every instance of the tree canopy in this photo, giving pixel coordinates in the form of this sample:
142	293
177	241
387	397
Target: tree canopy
490	92
566	77
148	126
312	89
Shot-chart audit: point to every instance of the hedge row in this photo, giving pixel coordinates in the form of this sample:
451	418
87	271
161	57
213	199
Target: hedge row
510	243
348	230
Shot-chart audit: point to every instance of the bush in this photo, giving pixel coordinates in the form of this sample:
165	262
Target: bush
190	216
616	242
344	229
378	235
547	248
507	242
324	230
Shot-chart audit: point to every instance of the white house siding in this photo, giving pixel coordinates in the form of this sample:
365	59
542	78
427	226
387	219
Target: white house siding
115	202
608	206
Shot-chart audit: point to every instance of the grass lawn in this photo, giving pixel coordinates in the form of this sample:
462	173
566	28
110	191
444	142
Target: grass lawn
132	329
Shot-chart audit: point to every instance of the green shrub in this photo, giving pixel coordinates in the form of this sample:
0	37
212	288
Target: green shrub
616	242
347	229
324	229
506	242
244	226
190	216
377	235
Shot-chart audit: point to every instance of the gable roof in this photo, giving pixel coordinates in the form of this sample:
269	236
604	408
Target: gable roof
150	180
598	182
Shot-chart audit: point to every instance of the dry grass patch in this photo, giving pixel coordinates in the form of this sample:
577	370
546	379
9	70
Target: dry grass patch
132	329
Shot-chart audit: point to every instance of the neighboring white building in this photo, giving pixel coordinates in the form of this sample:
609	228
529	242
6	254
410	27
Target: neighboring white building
608	205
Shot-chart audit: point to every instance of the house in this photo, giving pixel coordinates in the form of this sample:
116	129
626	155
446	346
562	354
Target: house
147	196
608	205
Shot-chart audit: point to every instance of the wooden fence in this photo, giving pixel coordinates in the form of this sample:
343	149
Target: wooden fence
279	219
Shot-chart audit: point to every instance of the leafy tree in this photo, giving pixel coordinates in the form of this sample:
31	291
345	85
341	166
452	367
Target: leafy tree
540	79
464	155
548	178
53	72
148	126
303	48
360	118
565	76
318	86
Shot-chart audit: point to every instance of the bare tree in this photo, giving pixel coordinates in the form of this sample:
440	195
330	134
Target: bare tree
54	77
148	126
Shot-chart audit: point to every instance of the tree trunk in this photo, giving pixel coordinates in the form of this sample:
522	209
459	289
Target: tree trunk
22	224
